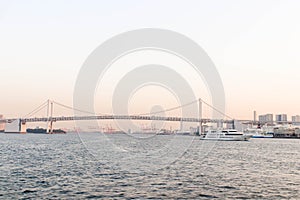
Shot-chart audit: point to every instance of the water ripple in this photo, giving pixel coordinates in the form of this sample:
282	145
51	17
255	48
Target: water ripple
59	167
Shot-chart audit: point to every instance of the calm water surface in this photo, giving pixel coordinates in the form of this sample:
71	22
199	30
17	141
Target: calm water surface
60	167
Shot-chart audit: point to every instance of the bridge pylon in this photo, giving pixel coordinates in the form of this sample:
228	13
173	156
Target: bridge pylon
200	115
49	124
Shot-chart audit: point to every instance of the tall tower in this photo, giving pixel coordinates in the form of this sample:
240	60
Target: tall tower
200	116
254	116
49	125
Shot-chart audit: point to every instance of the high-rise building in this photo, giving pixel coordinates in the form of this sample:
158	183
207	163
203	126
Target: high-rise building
265	118
296	118
254	116
281	118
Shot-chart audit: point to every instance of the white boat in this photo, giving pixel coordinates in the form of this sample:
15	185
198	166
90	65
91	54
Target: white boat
259	133
182	132
226	135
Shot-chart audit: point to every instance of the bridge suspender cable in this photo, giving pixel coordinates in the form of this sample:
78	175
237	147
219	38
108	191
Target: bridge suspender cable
42	106
216	109
170	109
71	108
158	112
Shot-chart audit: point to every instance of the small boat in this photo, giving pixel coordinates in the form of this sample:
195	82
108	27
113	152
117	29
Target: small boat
263	136
182	132
226	135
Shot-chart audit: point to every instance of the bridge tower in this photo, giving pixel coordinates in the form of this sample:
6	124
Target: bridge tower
49	124
200	116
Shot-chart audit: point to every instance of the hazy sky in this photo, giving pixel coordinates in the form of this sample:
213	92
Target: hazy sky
255	46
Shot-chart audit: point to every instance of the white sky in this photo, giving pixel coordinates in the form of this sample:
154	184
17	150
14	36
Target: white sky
254	44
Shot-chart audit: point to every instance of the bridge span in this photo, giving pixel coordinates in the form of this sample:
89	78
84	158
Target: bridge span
19	124
115	117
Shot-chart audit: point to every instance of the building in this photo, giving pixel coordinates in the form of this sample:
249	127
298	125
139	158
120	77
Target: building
1	125
296	118
15	126
281	118
265	118
286	132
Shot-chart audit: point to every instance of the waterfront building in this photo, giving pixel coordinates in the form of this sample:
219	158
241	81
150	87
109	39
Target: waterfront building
1	125
296	118
286	132
281	118
265	118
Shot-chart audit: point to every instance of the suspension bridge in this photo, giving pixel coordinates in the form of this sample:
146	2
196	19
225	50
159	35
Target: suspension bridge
18	125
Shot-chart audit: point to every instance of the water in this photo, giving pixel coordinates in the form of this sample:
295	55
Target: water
60	166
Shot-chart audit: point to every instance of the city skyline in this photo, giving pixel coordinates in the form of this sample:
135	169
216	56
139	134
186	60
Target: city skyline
256	55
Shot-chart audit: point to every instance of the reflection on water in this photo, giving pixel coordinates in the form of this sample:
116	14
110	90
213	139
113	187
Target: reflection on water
60	166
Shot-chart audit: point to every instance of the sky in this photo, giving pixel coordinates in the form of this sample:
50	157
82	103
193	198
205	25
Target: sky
254	45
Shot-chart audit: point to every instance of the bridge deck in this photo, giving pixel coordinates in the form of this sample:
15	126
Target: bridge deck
119	117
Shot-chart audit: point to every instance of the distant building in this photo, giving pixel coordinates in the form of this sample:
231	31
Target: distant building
296	118
286	132
1	125
281	118
265	118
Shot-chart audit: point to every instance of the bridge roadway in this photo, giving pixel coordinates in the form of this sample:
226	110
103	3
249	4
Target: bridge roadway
119	117
138	117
